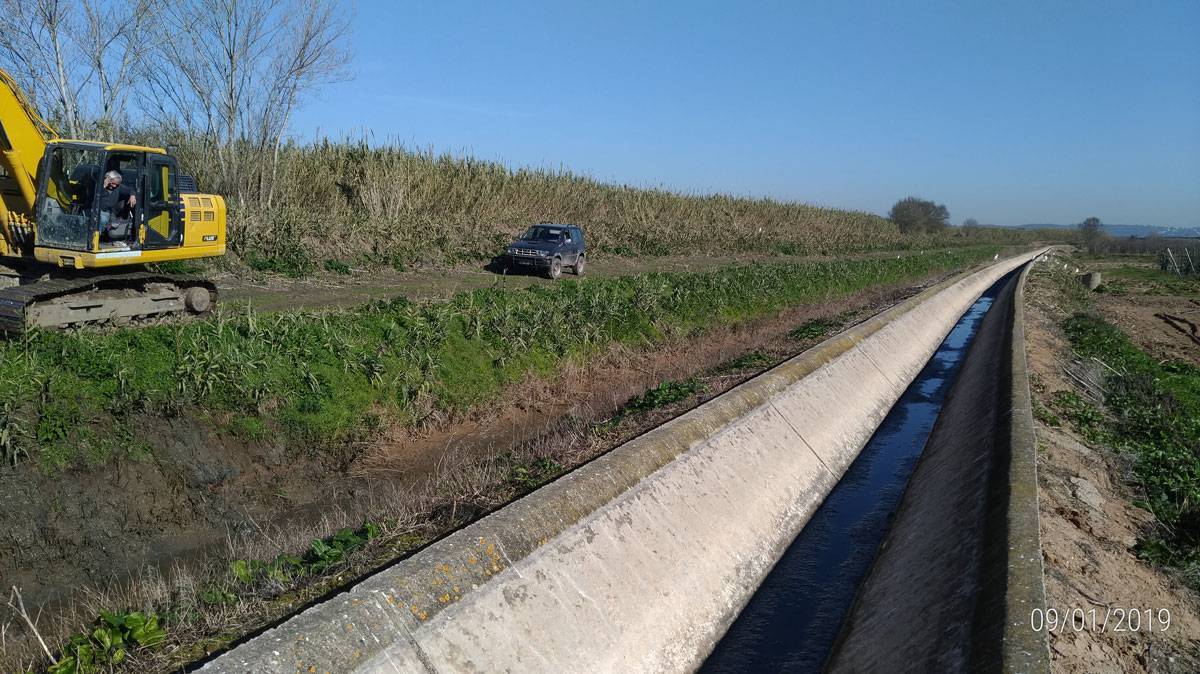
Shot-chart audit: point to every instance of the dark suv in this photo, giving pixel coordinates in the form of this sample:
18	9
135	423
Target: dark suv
548	248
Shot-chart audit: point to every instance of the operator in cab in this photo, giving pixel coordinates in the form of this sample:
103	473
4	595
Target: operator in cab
116	207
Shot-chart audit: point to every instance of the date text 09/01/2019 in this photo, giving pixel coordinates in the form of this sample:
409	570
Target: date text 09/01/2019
1110	618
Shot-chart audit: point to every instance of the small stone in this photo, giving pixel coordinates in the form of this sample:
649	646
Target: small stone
1087	493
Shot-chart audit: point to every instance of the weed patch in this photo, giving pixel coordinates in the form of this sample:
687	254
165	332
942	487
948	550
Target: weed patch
1086	418
1044	415
323	555
288	259
664	394
181	267
1155	417
755	360
1134	279
814	329
110	641
337	267
533	474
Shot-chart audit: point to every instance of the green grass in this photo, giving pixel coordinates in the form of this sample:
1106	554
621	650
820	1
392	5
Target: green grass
320	380
1140	279
1155	417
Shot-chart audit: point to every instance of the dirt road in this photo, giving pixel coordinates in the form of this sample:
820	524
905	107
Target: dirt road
327	290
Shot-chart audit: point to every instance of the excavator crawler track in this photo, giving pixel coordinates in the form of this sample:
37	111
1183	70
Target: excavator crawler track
101	299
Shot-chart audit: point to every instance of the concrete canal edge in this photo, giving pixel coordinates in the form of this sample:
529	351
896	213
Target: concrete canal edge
1023	650
640	559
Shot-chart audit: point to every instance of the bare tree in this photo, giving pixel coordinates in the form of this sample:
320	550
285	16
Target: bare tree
237	69
113	39
73	57
36	46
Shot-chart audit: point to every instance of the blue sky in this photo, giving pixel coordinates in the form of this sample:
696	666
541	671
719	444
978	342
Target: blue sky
1008	112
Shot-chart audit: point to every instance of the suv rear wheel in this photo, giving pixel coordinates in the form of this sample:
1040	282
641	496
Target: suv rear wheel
579	265
555	269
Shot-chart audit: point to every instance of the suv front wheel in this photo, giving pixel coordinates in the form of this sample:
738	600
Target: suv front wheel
555	269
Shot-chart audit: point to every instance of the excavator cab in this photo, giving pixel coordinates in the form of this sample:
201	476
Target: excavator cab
69	197
167	223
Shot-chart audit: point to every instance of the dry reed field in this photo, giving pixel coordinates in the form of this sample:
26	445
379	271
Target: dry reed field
385	205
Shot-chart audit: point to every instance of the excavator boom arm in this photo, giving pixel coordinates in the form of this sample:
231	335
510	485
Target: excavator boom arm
23	137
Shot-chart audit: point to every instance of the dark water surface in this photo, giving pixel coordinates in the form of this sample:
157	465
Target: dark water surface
791	622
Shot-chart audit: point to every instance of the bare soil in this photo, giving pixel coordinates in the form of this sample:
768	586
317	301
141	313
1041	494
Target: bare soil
1159	324
1089	525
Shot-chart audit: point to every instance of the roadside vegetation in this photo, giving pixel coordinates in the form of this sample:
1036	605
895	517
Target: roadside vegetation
321	381
1150	412
1155	416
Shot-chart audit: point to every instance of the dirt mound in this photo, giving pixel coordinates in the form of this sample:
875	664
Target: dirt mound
89	527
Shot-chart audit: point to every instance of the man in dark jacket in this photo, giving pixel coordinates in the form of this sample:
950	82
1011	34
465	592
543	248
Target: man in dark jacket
116	207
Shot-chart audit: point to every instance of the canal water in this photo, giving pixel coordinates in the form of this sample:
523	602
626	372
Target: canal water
791	622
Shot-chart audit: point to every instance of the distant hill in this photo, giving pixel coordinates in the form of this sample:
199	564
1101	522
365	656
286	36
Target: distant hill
1123	231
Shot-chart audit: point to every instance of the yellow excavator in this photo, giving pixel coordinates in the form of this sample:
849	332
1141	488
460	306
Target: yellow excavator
62	262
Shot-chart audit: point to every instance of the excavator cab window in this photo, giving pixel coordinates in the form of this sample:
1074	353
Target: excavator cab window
66	212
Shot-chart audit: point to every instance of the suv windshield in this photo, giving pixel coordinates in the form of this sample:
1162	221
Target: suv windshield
543	234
